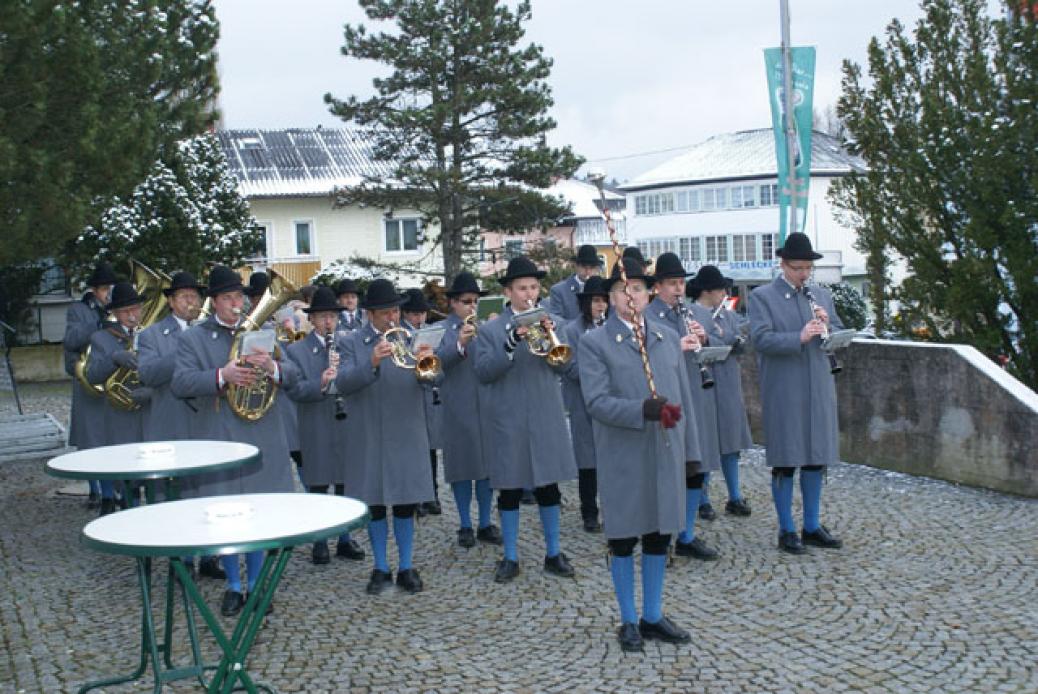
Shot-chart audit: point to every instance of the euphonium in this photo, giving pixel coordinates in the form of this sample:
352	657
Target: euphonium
426	369
545	343
253	401
120	385
97	389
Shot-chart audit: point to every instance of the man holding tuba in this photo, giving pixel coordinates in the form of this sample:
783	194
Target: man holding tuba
205	372
527	421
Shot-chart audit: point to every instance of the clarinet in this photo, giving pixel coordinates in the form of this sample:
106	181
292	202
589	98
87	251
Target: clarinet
723	308
704	373
834	364
333	352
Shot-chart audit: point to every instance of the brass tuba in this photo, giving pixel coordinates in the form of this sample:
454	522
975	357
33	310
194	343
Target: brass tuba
120	385
252	402
96	389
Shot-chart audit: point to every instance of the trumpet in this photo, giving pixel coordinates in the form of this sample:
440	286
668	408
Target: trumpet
543	342
426	369
472	320
704	373
834	364
333	362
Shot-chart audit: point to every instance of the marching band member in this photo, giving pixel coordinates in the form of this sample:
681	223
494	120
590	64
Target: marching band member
348	296
645	447
413	313
527	422
594	302
84	318
322	429
666	307
562	301
634	253
464	402
388	439
709	290
798	394
203	371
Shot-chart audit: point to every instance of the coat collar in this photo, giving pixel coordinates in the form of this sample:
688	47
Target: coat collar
619	333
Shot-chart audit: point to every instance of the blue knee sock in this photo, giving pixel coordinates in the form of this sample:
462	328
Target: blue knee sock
463	500
782	494
730	469
704	499
95	486
229	562
378	533
485	501
510	533
550	525
107	489
345	538
811	489
253	564
403	531
691	509
653	566
622	569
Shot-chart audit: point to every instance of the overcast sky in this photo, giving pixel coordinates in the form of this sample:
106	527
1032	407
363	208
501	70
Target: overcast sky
630	76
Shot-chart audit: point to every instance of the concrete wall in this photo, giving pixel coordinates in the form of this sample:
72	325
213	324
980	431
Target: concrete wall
36	363
942	411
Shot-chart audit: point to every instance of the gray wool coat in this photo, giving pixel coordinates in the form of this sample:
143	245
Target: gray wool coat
120	426
733	427
527	424
349	326
386	427
641	466
579	419
201	351
168	418
562	299
322	437
464	408
798	394
87	418
706	403
433	413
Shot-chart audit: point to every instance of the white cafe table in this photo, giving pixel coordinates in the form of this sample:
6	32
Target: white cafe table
209	526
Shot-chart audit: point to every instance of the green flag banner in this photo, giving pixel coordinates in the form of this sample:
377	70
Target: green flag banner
803	80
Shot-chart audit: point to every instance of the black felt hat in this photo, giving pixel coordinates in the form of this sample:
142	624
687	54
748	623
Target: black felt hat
595	286
587	255
635	253
465	283
102	275
183	280
347	286
416	302
258	283
521	266
223	279
669	265
635	271
124	294
709	278
323	300
381	294
797	247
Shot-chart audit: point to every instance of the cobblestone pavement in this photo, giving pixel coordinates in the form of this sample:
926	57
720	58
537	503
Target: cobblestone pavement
936	589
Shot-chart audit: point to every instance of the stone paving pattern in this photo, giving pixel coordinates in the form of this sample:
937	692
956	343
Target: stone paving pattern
936	589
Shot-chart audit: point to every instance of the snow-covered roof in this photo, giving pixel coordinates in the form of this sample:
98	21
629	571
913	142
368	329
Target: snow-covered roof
581	196
298	162
740	155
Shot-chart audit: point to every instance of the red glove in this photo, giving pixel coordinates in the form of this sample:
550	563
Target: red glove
670	416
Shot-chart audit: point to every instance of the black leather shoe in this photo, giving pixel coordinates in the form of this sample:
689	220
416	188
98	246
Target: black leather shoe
489	535
320	554
697	549
528	499
349	550
739	507
94	500
232	603
591	525
379	581
433	507
790	543
707	512
107	506
630	638
559	565
466	537
663	630
409	580
821	538
210	568
506	571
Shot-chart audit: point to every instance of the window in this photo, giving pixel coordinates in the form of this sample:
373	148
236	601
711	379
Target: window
744	247
767	246
717	249
708	199
691	251
682	201
304	238
769	195
721	198
262	247
693	201
513	248
401	235
667	203
737	196
639	204
748	197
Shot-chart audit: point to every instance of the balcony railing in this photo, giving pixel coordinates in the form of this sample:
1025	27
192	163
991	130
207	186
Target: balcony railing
594	232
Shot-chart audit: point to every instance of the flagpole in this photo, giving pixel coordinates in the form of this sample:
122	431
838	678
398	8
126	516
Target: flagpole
789	123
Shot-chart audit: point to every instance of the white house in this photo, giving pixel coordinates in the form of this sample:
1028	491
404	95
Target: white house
288	177
717	204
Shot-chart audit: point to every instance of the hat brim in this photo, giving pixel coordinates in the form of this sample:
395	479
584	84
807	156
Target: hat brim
539	275
811	255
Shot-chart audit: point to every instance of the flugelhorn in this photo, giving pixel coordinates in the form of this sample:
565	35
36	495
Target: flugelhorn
426	369
543	342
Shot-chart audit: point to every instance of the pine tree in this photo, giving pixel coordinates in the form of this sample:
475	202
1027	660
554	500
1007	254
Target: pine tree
461	119
185	215
948	127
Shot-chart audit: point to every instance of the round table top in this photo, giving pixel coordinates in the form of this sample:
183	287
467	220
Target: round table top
152	460
269	521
